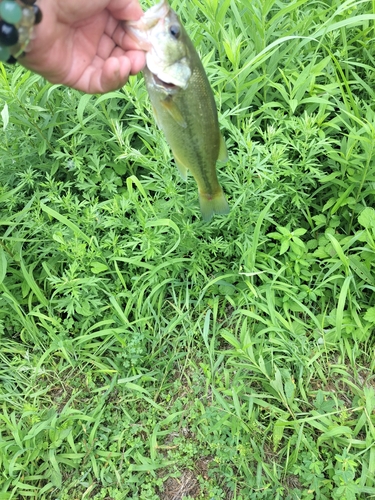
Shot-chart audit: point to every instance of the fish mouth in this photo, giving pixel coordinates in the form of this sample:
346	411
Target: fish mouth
161	83
157	12
149	19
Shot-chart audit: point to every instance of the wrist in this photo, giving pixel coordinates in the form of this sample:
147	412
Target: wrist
17	21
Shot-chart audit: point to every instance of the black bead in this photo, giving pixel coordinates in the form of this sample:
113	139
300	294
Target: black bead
12	60
28	2
38	14
8	34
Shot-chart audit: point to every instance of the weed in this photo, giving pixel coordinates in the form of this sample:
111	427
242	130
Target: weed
146	354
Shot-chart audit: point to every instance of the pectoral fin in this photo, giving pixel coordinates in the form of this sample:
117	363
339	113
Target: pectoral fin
223	153
173	110
181	167
156	116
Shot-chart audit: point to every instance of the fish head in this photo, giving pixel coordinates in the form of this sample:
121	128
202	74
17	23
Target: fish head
160	33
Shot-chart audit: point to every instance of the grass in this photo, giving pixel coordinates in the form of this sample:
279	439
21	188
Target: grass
148	355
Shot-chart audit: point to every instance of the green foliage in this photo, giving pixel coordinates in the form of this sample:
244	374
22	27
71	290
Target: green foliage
144	352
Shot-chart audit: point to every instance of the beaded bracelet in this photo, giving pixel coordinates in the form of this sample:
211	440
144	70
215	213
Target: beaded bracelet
17	20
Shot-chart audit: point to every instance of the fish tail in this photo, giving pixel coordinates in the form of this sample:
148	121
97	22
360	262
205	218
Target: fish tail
210	205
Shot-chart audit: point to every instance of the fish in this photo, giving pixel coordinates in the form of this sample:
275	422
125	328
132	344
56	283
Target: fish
182	101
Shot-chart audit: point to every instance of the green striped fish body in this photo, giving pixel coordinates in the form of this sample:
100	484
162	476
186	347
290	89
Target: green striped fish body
183	102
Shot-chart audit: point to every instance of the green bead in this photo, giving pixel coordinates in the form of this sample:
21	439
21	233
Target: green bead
4	53
10	12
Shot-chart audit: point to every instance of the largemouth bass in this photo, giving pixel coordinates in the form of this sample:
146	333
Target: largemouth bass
183	102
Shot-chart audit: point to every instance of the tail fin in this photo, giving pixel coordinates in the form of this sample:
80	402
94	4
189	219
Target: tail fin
211	205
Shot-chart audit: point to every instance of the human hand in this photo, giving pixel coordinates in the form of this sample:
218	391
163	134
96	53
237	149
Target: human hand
82	44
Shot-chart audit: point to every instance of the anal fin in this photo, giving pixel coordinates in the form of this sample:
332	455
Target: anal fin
223	153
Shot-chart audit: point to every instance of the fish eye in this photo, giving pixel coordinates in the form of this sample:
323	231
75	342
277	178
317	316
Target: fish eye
175	31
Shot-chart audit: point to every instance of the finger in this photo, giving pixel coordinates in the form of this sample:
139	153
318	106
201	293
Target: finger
99	78
105	47
125	10
124	40
116	70
137	60
115	73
